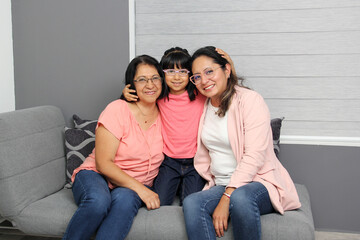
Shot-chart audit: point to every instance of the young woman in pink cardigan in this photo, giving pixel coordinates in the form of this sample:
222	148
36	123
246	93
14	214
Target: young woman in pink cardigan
234	155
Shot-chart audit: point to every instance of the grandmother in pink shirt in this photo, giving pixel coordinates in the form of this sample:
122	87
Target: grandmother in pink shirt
234	155
116	179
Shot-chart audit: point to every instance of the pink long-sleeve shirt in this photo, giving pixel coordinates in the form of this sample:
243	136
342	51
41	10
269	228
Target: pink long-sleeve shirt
251	140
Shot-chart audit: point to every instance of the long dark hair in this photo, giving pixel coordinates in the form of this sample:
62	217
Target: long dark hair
131	72
232	81
180	58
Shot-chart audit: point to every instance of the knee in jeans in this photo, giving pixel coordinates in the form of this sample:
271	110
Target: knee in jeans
240	200
99	204
125	197
190	203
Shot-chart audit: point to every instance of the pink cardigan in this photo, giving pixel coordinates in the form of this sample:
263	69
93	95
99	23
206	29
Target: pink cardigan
251	140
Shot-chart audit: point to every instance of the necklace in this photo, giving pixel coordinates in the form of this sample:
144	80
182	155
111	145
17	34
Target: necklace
145	115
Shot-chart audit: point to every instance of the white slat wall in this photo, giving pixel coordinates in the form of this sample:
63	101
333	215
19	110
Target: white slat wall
303	57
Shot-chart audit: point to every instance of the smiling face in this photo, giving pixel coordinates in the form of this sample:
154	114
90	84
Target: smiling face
211	87
148	91
177	83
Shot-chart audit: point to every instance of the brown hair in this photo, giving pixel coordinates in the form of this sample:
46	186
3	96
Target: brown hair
232	81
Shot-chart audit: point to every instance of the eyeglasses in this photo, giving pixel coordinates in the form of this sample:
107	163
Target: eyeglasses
208	72
144	80
172	72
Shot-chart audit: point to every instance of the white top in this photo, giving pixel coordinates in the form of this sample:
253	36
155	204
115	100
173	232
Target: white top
215	138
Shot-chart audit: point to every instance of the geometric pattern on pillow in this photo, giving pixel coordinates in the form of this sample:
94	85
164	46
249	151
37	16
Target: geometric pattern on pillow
84	124
79	144
276	129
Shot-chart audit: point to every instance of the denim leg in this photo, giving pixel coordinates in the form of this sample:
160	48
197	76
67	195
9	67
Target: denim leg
192	182
167	181
92	195
247	203
125	204
198	208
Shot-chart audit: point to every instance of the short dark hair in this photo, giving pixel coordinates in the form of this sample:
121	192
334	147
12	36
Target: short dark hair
132	68
232	81
179	57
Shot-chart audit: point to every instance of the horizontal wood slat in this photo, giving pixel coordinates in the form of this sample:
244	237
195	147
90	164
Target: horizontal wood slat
306	88
308	20
311	128
161	6
257	43
316	110
300	66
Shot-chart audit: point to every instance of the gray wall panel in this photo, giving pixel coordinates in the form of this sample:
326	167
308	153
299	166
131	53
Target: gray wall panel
332	177
71	54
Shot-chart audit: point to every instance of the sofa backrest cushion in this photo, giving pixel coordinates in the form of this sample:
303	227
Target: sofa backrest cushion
32	157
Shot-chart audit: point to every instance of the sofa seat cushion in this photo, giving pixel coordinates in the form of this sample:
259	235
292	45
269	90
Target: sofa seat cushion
50	216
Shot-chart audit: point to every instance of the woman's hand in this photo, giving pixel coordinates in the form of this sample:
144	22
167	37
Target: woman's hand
150	198
106	146
228	58
127	92
220	216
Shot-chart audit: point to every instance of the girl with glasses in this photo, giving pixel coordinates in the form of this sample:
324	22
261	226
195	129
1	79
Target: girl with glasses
180	113
234	155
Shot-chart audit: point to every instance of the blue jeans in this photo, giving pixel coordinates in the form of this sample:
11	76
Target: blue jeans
177	175
109	212
247	203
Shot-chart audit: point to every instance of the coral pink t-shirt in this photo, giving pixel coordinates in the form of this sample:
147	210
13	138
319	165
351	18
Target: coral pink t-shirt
140	151
180	123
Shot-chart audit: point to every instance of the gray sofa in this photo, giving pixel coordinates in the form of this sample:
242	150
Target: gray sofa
33	197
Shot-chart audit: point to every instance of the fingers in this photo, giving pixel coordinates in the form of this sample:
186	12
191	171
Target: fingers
221	52
220	217
224	54
153	205
130	94
219	226
225	225
152	202
131	97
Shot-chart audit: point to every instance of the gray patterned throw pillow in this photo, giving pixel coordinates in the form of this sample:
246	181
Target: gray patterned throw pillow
79	143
